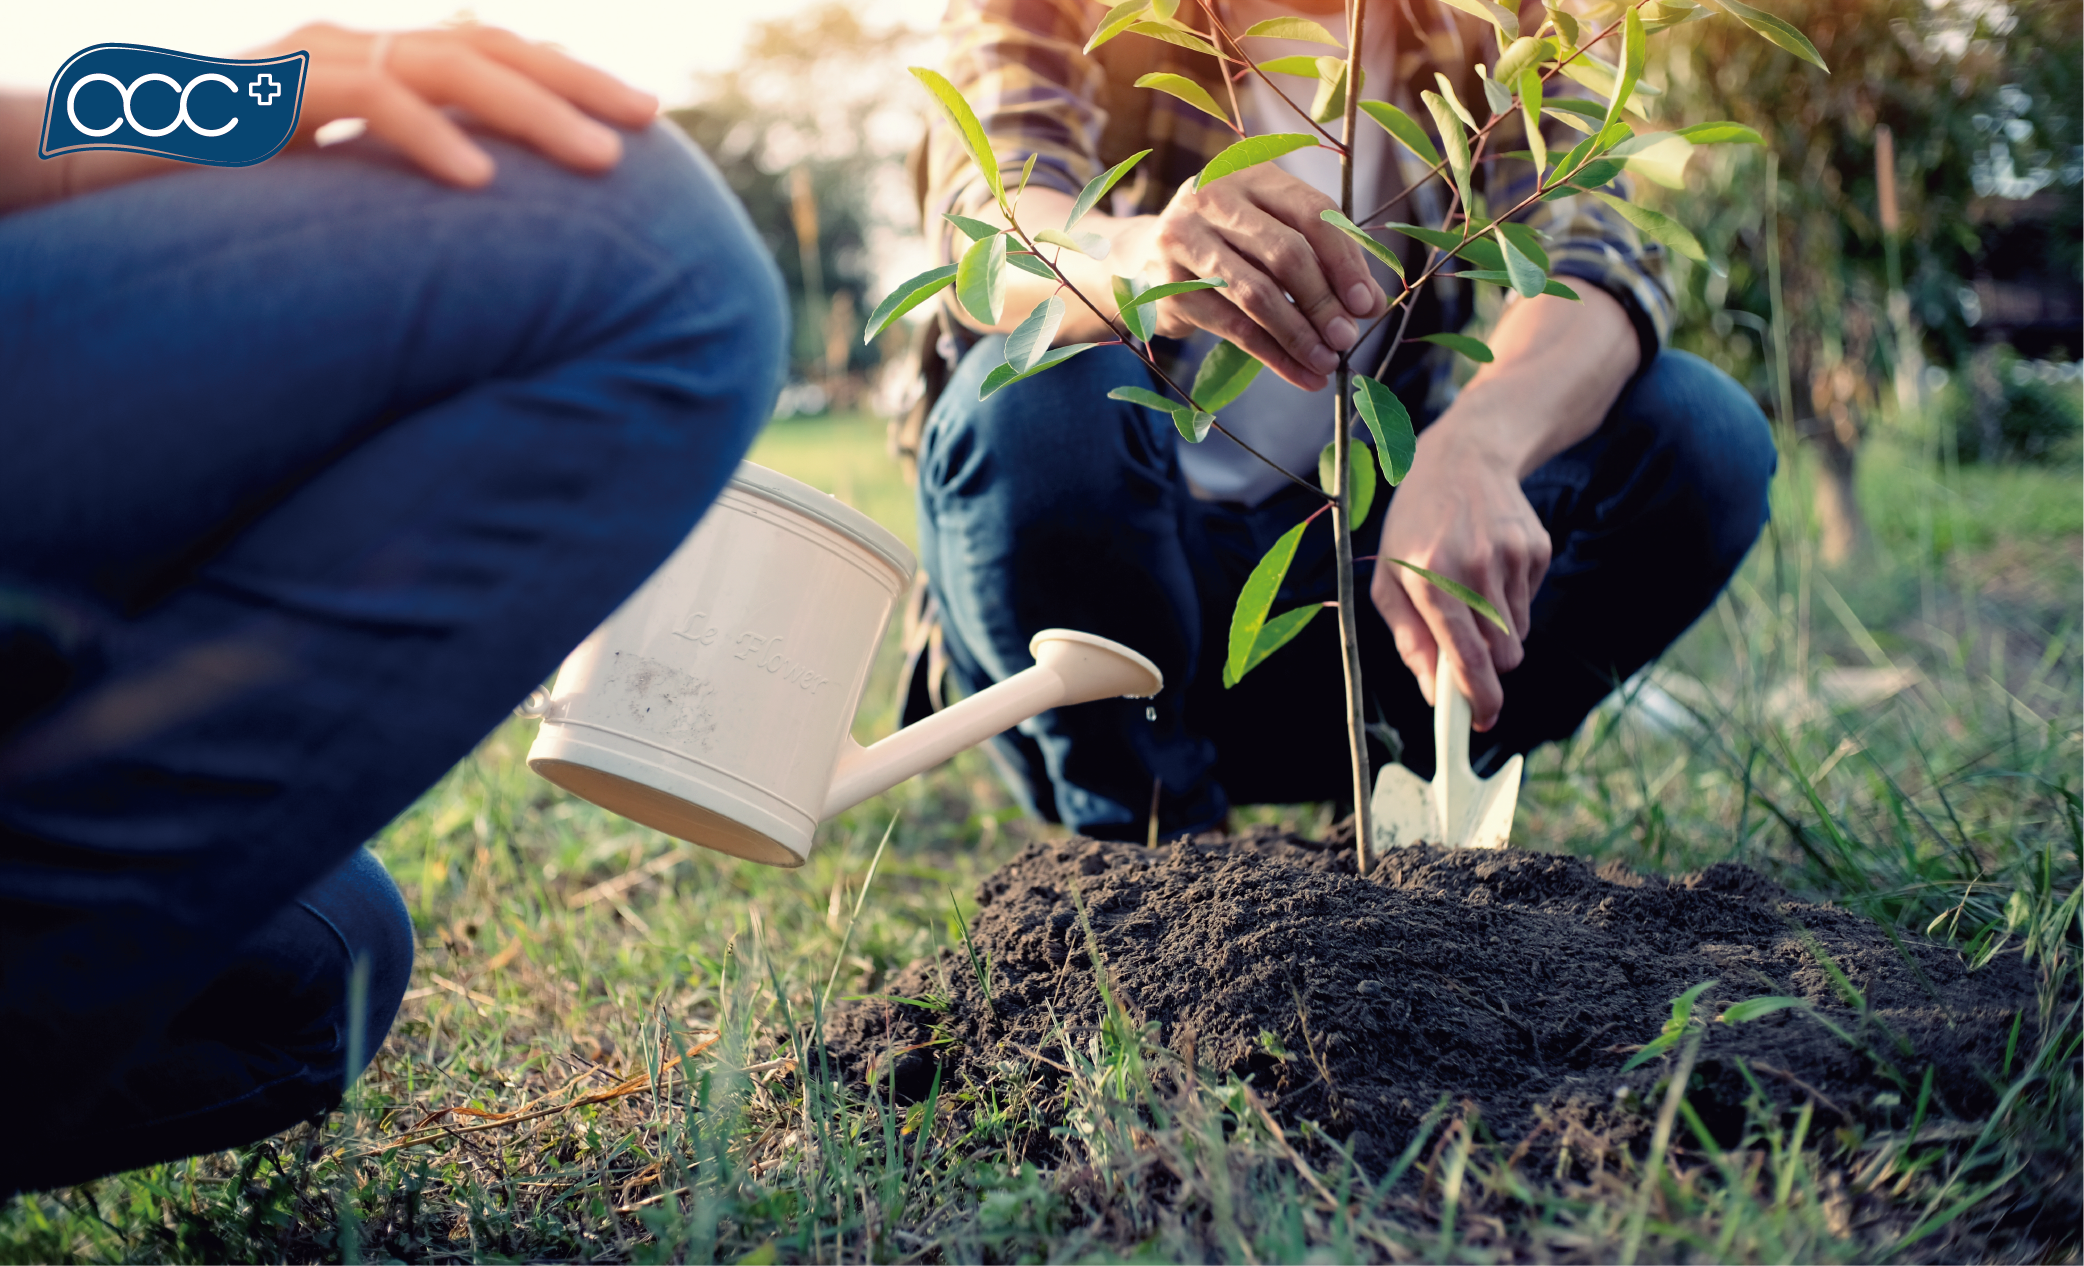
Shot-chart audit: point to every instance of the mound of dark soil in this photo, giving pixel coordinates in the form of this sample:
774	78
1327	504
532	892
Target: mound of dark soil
1518	981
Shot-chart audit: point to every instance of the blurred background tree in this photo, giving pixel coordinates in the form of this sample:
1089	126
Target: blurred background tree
810	130
1980	102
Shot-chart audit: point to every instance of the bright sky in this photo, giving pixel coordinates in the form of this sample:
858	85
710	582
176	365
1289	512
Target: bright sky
657	45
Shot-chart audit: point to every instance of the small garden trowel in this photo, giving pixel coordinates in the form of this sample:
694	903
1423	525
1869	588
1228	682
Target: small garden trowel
1457	809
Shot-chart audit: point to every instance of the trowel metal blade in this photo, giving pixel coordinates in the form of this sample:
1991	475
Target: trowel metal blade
1490	820
1403	809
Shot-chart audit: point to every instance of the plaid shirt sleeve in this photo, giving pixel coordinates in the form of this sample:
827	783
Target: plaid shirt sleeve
1020	66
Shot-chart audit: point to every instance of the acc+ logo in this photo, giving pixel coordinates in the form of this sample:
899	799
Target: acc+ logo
221	112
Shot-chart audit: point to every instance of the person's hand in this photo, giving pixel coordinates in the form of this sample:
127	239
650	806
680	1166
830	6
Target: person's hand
1460	513
1298	290
399	82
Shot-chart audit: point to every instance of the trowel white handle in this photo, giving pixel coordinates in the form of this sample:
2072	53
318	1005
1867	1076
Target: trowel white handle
1069	668
1455	785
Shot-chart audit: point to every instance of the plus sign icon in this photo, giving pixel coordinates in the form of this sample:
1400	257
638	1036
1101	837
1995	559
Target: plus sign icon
211	110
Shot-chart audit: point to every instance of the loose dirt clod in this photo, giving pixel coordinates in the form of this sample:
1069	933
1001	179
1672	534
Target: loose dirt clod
1517	981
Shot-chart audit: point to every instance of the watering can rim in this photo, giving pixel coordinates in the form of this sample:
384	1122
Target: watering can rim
796	495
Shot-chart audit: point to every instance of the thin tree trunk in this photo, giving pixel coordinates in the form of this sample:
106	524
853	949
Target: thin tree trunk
1341	515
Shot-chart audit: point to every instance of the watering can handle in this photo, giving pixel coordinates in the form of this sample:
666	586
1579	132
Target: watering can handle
1070	667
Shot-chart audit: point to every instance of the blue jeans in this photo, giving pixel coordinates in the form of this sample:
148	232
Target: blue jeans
1049	504
313	470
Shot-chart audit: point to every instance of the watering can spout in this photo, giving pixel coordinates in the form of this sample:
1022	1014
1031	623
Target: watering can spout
1069	668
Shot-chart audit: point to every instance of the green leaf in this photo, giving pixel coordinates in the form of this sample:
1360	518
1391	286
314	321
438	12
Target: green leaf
1572	118
1453	140
980	279
1527	240
1656	227
1192	424
1525	53
1273	635
1774	29
1030	340
907	296
1657	1046
1256	598
1367	243
1453	100
1301	66
1720	133
1144	396
1659	157
1005	376
1330	101
1117	20
1360	464
1029	263
1090	245
1292	29
1603	79
1140	319
1576	106
1527	276
1390	423
1566	26
1599	172
1752	1008
1164	9
1530	119
1404	128
1096	188
1495	14
1186	90
1027	169
1682	1006
1223	376
1151	294
1473	348
1458	590
1495	94
966	126
1250	153
1632	38
975	230
1481	251
1561	291
1173	34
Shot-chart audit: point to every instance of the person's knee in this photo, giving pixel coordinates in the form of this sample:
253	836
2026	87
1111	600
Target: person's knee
1716	446
1053	443
361	907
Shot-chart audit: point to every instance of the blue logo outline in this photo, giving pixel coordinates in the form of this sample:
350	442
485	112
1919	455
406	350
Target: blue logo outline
53	108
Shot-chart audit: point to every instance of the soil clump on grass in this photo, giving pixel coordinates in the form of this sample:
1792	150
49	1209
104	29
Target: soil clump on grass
1515	983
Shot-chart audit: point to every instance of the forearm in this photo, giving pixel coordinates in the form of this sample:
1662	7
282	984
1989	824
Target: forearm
1559	367
27	180
1047	209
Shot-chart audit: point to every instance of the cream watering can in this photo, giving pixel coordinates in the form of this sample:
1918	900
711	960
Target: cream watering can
715	705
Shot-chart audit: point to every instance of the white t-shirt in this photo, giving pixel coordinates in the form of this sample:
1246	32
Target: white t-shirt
1289	425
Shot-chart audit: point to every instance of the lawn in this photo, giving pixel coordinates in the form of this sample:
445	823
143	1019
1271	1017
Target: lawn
597	1058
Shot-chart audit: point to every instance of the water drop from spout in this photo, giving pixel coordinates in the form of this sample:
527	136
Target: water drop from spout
1150	712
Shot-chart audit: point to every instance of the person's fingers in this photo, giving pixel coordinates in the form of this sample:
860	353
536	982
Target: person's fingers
1200	245
595	91
1206	310
1415	643
1287	257
1342	263
426	135
1453	626
452	72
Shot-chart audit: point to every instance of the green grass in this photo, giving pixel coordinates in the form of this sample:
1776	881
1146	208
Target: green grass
567	955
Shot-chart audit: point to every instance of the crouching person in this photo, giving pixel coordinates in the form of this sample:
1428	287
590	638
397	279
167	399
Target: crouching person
313	470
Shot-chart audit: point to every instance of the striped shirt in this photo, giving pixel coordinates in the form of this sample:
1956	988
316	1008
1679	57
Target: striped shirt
1020	65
